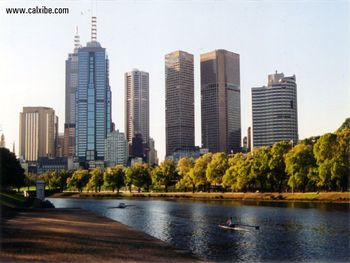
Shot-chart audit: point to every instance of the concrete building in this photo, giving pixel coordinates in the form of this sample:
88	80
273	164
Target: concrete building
93	103
249	139
59	145
71	88
179	101
152	153
275	111
116	149
2	141
221	101
37	133
137	105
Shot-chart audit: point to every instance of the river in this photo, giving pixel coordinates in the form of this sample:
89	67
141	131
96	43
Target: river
299	232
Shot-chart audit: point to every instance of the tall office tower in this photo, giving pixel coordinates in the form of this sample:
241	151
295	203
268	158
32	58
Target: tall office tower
59	145
275	111
37	133
249	139
71	88
221	101
93	102
137	104
152	153
116	149
179	101
2	141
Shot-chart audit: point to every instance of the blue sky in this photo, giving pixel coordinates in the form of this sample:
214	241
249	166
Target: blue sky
310	39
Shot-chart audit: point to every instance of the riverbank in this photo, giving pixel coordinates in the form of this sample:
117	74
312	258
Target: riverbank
76	235
331	197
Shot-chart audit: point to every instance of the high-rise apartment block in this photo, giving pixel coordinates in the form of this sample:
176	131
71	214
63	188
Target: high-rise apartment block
179	101
221	101
137	105
116	149
71	88
37	133
275	111
93	102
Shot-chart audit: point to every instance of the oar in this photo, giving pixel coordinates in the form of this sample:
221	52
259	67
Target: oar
256	227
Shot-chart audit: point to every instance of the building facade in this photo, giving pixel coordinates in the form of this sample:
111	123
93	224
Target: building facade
137	104
179	101
275	111
37	133
93	104
116	149
221	101
71	88
2	141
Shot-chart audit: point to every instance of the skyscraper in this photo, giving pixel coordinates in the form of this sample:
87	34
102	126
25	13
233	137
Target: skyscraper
2	141
275	111
37	133
137	104
221	101
71	88
179	101
93	102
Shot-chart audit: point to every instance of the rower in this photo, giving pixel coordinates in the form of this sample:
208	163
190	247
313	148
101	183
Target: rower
229	222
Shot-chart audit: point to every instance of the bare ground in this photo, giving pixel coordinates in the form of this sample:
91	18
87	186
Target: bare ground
76	235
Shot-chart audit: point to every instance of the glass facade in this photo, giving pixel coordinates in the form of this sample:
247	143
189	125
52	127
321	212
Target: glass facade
93	103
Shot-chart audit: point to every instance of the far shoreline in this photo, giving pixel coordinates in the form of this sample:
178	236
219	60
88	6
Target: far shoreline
312	197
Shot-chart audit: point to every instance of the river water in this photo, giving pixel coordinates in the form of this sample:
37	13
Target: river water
299	232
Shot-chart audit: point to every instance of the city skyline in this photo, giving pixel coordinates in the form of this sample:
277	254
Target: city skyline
323	88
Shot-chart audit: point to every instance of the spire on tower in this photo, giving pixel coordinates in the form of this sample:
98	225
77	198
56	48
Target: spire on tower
76	40
93	28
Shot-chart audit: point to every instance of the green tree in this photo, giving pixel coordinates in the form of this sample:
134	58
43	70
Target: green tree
199	170
79	179
217	168
142	177
300	166
185	170
96	179
345	124
58	179
129	177
165	174
325	151
260	166
232	176
114	177
278	176
11	172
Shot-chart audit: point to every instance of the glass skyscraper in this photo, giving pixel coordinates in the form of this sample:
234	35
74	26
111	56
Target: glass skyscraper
93	104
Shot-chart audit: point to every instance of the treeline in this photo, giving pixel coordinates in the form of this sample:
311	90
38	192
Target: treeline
315	164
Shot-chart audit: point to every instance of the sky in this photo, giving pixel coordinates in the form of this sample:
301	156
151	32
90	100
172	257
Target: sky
310	39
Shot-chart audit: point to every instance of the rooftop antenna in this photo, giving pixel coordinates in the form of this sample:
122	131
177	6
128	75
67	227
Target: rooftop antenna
93	28
76	40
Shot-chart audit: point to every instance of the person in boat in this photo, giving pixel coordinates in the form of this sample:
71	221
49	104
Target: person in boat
229	222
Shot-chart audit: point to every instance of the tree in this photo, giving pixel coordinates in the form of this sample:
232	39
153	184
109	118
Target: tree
129	177
325	151
96	179
345	124
186	174
142	177
199	170
300	166
11	172
232	176
79	179
114	177
216	168
278	175
260	166
58	179
165	174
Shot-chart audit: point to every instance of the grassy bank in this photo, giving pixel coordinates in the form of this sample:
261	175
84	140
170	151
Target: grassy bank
339	197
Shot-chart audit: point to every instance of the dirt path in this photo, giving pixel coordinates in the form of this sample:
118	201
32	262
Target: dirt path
76	235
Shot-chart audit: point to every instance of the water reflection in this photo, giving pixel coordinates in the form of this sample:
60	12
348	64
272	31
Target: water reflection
288	231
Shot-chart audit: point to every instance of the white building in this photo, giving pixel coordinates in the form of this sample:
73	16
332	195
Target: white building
275	111
116	149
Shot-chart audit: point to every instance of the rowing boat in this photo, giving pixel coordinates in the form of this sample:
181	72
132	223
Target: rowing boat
238	227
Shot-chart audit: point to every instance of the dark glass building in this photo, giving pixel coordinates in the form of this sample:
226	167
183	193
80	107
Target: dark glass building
93	103
221	101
